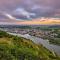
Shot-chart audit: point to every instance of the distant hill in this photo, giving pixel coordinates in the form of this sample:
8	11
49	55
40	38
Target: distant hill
15	26
54	26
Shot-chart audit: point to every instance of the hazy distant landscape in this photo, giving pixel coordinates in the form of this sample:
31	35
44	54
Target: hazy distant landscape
46	32
14	47
50	32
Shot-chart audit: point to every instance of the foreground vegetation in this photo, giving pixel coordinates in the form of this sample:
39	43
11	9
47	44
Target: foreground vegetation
18	48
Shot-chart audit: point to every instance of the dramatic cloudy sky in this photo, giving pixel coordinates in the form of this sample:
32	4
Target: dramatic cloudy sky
35	8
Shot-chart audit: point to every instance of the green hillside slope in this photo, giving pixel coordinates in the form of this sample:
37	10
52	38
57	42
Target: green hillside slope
18	48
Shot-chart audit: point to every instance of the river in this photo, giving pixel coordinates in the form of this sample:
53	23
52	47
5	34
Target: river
45	43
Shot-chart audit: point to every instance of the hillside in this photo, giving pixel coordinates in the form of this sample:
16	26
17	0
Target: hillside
18	48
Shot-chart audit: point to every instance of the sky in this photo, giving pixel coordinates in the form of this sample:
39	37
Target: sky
29	9
43	8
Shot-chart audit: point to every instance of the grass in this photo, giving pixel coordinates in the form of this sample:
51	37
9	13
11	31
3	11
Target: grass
18	48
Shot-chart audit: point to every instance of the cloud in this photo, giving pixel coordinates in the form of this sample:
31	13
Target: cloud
5	15
23	12
9	16
47	8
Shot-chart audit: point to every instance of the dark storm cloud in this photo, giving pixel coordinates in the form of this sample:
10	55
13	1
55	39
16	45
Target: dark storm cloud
45	8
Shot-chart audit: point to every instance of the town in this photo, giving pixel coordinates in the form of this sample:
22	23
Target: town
48	33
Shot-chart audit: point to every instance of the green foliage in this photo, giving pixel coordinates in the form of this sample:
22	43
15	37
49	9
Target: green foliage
4	34
18	48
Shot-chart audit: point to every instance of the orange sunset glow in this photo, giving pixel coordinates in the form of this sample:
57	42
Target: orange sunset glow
39	22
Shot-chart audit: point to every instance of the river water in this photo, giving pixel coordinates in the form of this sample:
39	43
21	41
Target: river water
45	43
